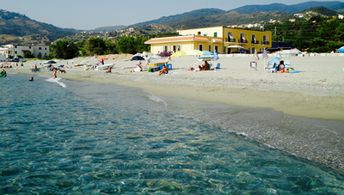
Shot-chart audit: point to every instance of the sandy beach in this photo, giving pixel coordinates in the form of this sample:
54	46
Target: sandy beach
312	99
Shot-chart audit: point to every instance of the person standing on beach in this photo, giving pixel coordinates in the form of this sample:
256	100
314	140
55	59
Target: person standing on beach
54	73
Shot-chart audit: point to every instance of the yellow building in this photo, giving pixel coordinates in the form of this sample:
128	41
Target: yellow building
220	39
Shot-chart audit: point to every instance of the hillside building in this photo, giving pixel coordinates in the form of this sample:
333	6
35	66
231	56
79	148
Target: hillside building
38	51
223	40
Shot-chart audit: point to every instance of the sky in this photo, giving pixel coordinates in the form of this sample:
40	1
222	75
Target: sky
89	14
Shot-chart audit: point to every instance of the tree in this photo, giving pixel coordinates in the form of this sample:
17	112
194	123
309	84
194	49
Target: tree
111	47
131	44
95	46
64	48
126	44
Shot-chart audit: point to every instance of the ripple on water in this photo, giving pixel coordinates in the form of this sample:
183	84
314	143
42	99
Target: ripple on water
66	141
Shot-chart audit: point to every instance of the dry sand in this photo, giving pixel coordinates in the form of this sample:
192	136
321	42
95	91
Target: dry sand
314	94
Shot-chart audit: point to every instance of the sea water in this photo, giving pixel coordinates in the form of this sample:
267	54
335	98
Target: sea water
101	139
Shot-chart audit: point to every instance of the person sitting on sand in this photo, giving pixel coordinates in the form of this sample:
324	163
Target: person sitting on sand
205	66
109	70
281	67
164	70
138	68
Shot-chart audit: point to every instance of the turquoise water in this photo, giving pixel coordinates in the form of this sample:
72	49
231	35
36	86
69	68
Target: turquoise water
89	138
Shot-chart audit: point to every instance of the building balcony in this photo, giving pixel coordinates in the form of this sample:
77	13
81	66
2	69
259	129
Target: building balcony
265	43
243	41
255	42
231	40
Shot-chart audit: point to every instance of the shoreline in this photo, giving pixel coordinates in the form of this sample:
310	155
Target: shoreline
294	103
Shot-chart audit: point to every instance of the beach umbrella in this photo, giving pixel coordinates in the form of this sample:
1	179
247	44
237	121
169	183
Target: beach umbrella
137	58
50	62
292	52
206	56
165	54
341	50
178	54
274	60
195	53
207	53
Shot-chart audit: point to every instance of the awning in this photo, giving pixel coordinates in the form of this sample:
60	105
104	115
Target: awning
236	47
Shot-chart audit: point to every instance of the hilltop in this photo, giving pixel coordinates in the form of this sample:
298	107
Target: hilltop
15	27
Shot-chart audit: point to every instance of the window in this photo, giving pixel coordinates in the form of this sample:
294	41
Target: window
209	48
242	38
215	34
199	33
165	48
230	37
216	49
200	47
15	52
174	48
40	48
253	39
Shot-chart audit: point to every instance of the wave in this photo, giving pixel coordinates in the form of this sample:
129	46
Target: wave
57	81
157	99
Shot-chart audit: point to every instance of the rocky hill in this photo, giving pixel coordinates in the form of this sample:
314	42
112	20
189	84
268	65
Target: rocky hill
15	27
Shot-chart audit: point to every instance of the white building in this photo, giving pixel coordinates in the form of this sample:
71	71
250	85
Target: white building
38	51
340	16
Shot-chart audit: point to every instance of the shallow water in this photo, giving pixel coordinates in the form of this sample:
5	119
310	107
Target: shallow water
90	138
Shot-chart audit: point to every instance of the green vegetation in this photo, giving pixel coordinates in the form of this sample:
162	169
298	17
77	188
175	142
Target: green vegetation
67	48
315	34
131	44
64	48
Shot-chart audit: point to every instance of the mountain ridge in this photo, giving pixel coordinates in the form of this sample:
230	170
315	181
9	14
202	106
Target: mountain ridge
24	28
19	25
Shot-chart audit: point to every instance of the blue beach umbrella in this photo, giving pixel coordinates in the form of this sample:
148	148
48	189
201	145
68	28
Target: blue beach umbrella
206	56
341	50
274	60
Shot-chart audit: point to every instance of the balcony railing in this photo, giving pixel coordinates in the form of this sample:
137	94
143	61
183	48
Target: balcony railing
230	40
242	41
265	43
255	42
